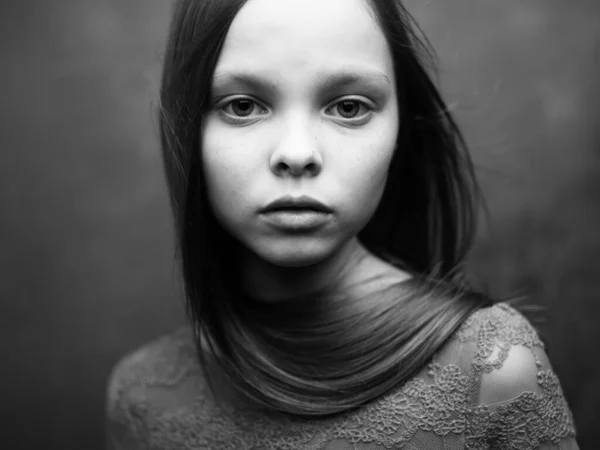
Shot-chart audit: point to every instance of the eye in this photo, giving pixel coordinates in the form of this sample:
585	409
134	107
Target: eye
241	108
350	110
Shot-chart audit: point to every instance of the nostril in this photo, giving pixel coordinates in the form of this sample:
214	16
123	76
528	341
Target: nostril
311	167
281	167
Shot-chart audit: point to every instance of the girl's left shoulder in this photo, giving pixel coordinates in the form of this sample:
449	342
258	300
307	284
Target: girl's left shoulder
509	380
499	323
503	354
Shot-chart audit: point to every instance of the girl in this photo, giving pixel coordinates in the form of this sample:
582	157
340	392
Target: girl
324	204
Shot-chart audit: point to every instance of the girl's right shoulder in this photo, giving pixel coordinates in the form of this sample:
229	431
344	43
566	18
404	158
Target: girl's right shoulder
150	381
162	360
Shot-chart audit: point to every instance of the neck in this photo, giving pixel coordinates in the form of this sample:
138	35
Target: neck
352	263
273	283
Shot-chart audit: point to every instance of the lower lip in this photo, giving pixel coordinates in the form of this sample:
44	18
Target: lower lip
297	219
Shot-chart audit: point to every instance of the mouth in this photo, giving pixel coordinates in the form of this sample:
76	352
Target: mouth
296	205
296	214
296	220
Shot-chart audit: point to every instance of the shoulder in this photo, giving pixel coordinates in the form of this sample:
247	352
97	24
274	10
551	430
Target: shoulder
506	351
143	380
162	360
511	377
499	322
496	343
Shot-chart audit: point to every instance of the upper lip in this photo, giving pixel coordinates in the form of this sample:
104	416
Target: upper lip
289	202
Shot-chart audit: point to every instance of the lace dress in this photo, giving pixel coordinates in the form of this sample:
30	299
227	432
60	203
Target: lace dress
490	387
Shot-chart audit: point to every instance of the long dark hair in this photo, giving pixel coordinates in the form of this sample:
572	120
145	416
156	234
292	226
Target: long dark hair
327	354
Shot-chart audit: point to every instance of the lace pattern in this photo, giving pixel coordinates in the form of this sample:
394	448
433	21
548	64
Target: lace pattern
158	399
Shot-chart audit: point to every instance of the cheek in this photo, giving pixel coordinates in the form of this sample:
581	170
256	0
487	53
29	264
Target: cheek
226	174
368	175
369	184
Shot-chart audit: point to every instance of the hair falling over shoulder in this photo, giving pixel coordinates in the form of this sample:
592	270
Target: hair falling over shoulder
328	355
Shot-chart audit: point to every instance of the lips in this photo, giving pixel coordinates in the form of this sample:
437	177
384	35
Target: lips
296	214
296	204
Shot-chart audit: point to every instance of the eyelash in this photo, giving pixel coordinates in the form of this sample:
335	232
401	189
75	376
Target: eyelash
358	120
238	119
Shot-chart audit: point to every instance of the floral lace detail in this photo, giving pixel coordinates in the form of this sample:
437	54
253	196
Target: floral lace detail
499	326
439	405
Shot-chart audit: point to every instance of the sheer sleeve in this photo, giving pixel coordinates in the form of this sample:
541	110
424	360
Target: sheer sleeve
120	423
520	401
151	395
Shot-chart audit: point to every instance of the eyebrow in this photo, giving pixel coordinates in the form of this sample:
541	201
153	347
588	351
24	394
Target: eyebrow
343	79
328	81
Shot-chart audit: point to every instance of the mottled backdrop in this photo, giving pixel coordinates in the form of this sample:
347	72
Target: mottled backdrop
87	271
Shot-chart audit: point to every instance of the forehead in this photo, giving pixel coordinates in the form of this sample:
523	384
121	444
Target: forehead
297	36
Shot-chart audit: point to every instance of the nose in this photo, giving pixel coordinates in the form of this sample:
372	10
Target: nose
297	152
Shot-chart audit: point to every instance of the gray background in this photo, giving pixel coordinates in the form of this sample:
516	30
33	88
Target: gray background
86	260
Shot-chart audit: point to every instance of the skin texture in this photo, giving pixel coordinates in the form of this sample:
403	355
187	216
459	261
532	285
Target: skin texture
278	127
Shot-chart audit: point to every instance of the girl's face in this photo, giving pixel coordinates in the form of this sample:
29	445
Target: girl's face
303	105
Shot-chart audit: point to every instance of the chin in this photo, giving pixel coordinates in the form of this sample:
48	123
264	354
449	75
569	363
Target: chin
294	261
298	255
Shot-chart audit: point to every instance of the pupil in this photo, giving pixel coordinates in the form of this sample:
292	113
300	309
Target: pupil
348	109
242	107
